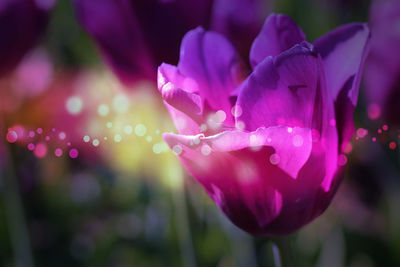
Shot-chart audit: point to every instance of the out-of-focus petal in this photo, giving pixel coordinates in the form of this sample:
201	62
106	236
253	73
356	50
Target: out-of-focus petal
137	36
113	25
278	34
382	68
165	22
279	88
21	24
343	52
34	74
239	20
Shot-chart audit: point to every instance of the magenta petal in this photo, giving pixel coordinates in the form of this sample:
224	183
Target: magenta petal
211	61
278	34
182	103
343	52
247	174
186	102
292	145
232	181
281	87
113	25
169	83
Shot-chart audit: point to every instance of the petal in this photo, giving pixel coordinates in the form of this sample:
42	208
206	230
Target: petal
239	20
164	23
278	34
183	104
112	24
211	61
232	181
282	91
183	123
21	24
169	83
343	52
291	145
257	194
382	68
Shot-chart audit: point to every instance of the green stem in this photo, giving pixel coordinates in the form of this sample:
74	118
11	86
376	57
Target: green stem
14	211
282	251
183	229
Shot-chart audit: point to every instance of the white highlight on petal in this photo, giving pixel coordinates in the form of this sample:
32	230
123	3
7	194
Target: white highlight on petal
240	125
297	140
177	150
274	159
206	150
237	111
220	116
203	127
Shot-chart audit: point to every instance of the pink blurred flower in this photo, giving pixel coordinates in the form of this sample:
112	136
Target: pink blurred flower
382	69
266	149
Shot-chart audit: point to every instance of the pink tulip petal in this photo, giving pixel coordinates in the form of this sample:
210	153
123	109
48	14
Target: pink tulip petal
210	60
280	87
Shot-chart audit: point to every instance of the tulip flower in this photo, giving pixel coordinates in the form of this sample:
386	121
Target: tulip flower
134	37
267	149
382	70
21	24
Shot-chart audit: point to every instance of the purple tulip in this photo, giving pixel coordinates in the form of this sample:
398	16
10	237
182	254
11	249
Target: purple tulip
21	24
267	150
136	36
382	69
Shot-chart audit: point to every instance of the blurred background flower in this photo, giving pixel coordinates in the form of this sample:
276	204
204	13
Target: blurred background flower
137	36
382	73
21	24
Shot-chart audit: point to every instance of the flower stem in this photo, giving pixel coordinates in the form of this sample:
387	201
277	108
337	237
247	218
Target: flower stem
282	252
183	228
14	209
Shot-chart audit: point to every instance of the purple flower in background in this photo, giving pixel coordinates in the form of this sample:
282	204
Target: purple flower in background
240	21
21	24
382	69
136	36
268	150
